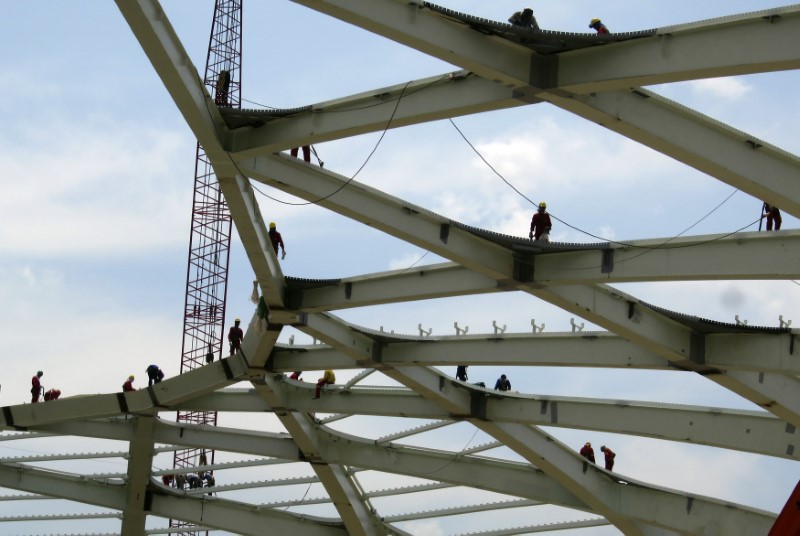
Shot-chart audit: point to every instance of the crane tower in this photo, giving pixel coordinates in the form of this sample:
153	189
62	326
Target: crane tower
209	243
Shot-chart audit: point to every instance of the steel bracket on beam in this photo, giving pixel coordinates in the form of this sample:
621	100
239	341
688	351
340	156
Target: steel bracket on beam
607	264
523	268
477	405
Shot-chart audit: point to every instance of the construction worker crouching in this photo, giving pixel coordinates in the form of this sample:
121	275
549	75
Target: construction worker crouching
598	26
128	385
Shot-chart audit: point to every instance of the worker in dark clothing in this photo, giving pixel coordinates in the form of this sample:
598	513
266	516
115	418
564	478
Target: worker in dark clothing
598	26
502	384
235	336
773	215
276	239
588	452
524	19
461	373
210	355
36	387
154	375
610	455
540	224
128	385
306	153
52	394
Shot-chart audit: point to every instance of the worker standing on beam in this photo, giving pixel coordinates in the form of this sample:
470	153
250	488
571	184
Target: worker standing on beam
588	452
461	372
540	224
773	215
276	239
36	387
235	336
610	455
154	375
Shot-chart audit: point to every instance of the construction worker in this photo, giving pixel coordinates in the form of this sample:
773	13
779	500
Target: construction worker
306	153
277	239
235	336
52	394
128	385
36	387
502	383
610	455
461	372
328	378
524	18
598	26
773	215
540	224
588	452
296	375
154	375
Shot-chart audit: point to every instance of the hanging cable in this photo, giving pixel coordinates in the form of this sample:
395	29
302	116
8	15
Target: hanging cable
626	244
348	181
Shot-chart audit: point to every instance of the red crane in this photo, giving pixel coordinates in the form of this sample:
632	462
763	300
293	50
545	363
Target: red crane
210	240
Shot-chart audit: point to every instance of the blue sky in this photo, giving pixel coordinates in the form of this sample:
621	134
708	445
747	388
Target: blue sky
97	165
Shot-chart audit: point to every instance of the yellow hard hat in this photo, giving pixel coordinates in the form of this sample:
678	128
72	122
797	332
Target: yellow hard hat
130	377
542	205
272	225
594	21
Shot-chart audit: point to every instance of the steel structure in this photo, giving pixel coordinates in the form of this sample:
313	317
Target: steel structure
315	447
210	240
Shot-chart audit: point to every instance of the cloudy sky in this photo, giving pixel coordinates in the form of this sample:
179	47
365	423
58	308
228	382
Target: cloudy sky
98	167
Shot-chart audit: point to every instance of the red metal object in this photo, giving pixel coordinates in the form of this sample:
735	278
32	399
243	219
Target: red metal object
209	243
788	522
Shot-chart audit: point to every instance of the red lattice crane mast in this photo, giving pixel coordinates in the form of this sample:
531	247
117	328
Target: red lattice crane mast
210	240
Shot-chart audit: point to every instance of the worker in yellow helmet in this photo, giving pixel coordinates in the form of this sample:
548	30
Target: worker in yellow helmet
328	378
276	239
540	224
598	26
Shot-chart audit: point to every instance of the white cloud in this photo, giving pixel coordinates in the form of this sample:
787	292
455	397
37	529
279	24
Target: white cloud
725	88
79	191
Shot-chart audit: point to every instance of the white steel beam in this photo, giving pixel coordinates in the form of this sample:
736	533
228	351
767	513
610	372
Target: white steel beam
688	52
143	401
602	305
728	155
429	99
675	54
590	484
140	463
341	488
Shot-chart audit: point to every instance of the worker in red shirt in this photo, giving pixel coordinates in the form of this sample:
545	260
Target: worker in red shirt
276	239
540	224
610	455
598	26
296	375
588	452
128	385
235	336
52	394
36	387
